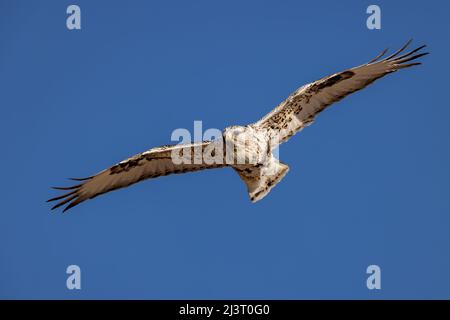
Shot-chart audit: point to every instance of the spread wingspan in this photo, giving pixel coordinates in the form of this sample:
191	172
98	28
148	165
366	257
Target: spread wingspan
288	118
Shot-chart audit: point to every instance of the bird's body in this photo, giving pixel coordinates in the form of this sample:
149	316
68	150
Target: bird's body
247	149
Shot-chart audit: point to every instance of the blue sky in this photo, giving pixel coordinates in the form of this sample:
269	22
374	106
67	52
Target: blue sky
368	184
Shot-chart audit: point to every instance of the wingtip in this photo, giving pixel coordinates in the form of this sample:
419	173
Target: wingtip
408	65
406	45
62	196
411	58
396	53
378	56
67	188
81	179
71	205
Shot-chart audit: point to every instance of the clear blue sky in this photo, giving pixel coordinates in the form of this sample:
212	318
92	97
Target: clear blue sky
369	181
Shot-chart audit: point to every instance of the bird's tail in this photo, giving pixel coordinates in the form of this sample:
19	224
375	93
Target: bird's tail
261	179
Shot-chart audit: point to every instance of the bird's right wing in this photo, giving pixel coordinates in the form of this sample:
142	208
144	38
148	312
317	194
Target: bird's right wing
150	164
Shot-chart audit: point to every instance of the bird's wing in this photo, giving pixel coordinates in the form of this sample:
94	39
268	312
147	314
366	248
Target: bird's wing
150	164
301	107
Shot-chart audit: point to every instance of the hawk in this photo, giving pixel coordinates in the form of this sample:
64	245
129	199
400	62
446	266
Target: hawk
247	149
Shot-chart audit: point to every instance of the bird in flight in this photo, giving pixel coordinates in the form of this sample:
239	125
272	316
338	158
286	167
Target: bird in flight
247	149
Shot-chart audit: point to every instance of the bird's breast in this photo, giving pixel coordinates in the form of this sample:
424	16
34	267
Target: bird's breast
245	145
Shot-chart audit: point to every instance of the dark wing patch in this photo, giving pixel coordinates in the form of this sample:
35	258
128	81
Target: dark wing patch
328	82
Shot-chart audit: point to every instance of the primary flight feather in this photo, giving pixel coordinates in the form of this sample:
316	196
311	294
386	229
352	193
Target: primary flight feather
247	149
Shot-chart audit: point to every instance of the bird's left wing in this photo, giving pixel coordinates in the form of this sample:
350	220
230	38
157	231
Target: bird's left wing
301	107
150	164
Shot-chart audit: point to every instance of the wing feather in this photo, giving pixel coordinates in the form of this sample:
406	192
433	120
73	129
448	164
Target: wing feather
301	107
150	164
